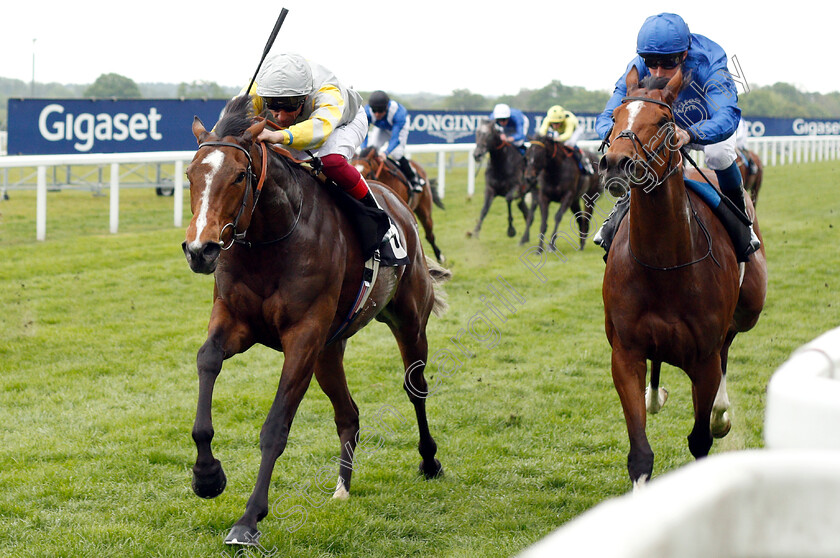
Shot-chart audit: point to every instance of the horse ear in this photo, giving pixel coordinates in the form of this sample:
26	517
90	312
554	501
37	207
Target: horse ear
632	79
674	86
198	130
254	131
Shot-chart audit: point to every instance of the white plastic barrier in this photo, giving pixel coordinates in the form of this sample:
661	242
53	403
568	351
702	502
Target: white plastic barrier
748	504
780	502
803	398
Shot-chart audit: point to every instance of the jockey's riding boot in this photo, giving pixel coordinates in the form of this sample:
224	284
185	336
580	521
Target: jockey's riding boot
731	186
605	235
371	202
414	179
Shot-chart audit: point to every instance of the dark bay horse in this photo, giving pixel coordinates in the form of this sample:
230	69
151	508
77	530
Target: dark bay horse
504	175
374	167
752	182
671	285
287	271
553	166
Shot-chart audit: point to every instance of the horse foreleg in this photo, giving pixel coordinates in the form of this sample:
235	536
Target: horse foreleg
628	373
529	220
543	220
511	232
705	381
294	380
564	206
208	476
329	371
488	201
424	215
582	217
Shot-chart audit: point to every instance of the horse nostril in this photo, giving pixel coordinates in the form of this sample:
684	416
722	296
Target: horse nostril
211	251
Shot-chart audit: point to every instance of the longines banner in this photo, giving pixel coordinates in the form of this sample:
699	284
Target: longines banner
57	126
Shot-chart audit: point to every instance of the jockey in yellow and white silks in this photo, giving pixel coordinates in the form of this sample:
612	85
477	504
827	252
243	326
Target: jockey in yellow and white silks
316	113
561	126
317	116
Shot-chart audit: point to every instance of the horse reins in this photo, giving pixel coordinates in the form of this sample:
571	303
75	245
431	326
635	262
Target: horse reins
649	155
239	237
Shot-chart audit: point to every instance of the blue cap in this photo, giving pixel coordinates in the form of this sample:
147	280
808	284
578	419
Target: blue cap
663	34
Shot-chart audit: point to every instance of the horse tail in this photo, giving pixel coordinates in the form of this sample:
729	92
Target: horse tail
439	275
435	195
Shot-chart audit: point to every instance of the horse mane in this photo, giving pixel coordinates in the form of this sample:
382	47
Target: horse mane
366	151
236	117
650	83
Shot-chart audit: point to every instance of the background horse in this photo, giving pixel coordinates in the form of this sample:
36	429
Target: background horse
503	175
671	285
374	167
752	182
560	180
287	272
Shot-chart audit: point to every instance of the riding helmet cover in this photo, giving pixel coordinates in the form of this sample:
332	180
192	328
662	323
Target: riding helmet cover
379	101
285	75
556	114
664	33
501	111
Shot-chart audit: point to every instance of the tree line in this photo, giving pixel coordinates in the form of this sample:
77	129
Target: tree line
778	100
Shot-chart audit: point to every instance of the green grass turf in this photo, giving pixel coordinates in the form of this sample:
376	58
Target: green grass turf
98	337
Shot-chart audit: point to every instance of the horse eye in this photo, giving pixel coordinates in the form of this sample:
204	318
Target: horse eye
239	178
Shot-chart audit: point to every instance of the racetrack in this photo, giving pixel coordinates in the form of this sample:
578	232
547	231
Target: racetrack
98	336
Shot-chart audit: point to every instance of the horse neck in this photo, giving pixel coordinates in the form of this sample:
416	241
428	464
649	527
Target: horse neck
280	203
660	223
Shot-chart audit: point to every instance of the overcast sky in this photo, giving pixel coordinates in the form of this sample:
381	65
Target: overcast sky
489	47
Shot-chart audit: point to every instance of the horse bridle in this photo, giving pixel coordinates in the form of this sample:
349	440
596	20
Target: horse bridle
239	237
637	143
631	135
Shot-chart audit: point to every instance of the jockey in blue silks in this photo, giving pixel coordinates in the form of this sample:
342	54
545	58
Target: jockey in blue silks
390	134
706	109
514	125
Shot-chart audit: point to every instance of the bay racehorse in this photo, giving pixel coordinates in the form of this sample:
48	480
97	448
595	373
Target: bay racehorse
752	180
671	286
288	268
504	175
551	167
375	167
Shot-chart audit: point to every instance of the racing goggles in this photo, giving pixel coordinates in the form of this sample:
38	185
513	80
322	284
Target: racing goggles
285	104
664	61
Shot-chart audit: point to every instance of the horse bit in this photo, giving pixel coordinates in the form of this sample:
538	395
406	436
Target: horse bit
239	238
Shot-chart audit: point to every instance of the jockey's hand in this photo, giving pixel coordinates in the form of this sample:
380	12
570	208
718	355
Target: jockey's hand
504	137
383	152
682	137
272	136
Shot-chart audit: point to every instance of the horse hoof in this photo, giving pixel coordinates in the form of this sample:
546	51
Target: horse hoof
721	428
471	234
511	232
211	484
431	472
243	536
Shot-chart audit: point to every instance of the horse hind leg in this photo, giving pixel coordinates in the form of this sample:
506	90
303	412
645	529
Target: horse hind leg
720	421
411	338
654	404
329	371
705	383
